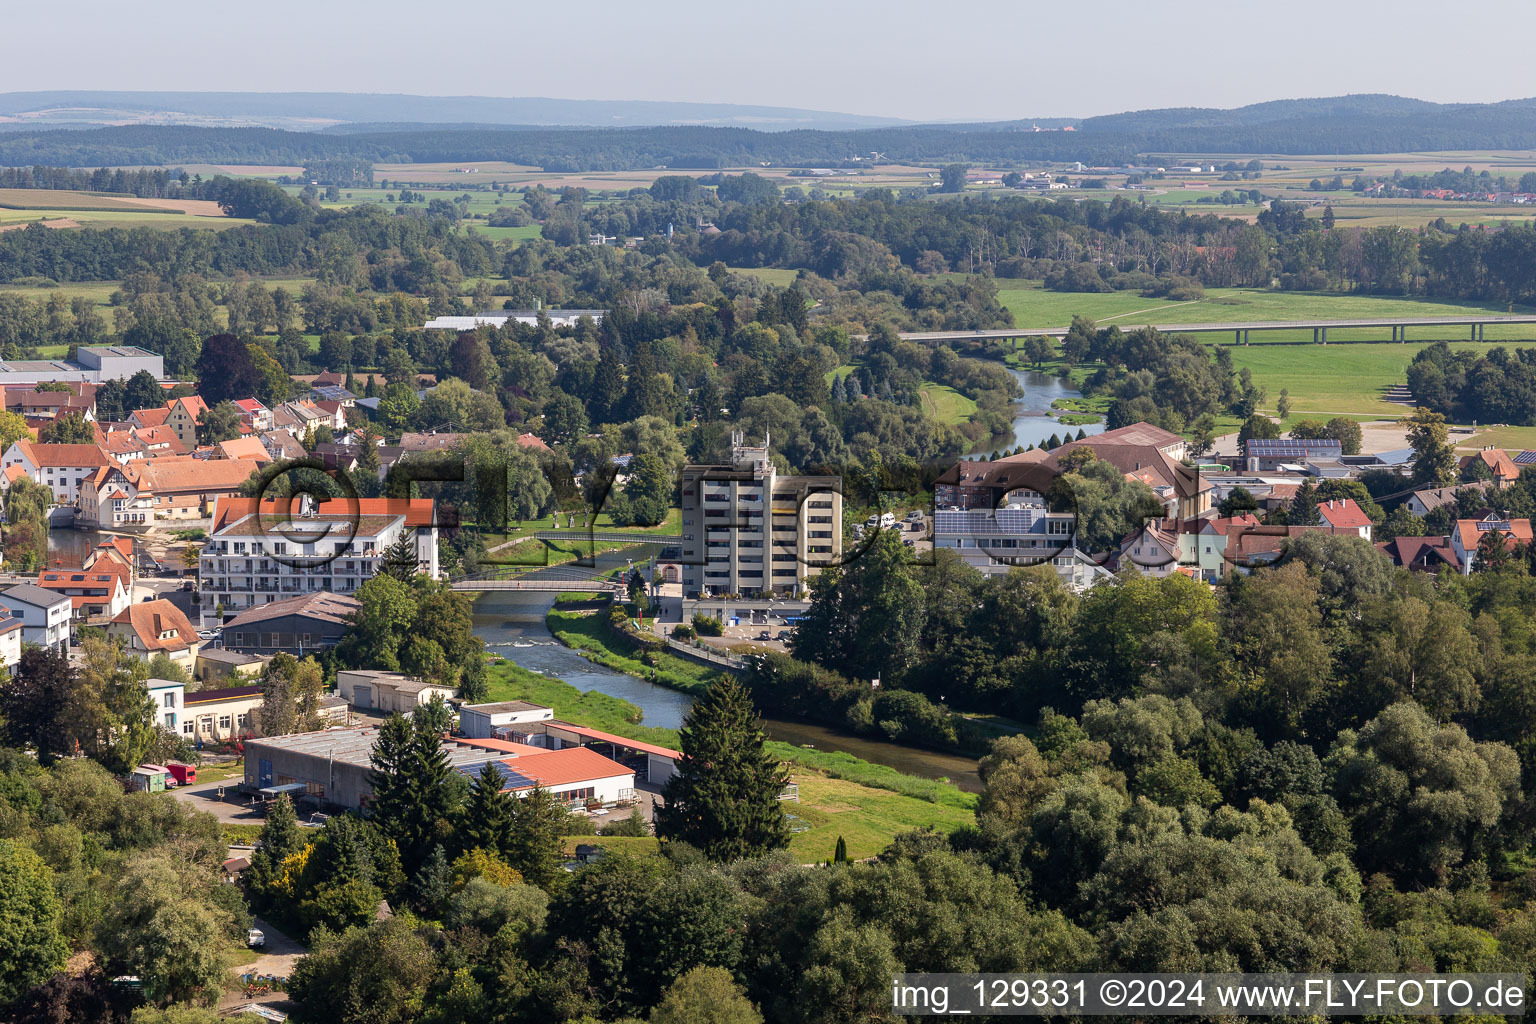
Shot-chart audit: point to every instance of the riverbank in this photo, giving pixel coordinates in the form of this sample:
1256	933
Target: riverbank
586	632
840	795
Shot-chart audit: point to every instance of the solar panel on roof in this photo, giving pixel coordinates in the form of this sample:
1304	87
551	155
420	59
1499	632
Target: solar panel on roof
510	779
1525	458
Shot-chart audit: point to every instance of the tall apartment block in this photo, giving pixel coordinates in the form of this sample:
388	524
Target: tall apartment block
751	532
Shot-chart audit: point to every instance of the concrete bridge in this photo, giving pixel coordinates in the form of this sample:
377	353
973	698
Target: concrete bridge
1241	328
480	586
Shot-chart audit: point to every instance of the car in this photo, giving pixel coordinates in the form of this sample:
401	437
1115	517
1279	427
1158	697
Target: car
914	516
872	521
765	635
255	938
209	634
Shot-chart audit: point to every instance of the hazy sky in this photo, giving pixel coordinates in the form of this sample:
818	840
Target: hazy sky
922	59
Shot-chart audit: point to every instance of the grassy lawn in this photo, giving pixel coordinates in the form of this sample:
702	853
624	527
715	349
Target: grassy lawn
867	819
221	772
587	632
774	276
1334	378
945	404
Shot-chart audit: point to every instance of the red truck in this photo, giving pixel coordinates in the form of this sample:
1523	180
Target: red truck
184	774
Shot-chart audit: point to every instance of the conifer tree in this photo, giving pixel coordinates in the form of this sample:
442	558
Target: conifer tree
538	827
433	882
487	820
401	559
411	796
724	797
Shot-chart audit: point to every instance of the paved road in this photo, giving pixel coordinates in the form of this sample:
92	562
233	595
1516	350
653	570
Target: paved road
205	797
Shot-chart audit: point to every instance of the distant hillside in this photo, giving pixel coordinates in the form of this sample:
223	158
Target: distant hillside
1340	125
307	110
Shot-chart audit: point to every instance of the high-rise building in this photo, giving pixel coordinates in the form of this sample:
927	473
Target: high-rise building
751	532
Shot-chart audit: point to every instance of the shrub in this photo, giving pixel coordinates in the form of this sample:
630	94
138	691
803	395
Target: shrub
707	625
684	632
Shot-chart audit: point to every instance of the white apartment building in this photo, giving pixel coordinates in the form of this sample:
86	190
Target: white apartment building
258	555
1017	535
751	532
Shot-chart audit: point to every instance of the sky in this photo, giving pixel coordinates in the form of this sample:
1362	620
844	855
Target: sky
915	59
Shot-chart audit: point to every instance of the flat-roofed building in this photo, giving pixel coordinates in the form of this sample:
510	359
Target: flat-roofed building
333	765
488	721
749	531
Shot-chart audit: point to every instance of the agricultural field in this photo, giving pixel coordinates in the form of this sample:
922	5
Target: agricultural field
1033	306
775	276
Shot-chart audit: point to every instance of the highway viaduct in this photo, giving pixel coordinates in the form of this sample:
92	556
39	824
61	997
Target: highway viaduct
1240	329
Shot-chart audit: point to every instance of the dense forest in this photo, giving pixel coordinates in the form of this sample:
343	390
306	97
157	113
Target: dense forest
1347	125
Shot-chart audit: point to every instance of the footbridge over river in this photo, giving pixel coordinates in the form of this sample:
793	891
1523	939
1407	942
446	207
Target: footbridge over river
1240	329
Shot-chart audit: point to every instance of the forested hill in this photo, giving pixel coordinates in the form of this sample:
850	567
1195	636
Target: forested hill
1346	125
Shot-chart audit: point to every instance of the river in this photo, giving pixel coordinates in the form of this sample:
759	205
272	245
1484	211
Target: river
512	625
1033	419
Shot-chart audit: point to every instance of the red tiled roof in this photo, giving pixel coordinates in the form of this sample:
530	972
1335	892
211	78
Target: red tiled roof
563	767
1343	513
1467	532
418	511
1503	466
63	455
149	619
623	741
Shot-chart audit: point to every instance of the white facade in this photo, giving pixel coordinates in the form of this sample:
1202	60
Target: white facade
170	701
500	318
387	691
252	560
44	615
749	531
1014	536
481	721
10	644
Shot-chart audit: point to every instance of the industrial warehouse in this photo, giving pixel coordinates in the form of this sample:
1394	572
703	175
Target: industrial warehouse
580	766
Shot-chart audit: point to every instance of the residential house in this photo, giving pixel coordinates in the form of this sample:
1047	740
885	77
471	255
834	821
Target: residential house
1469	533
1422	554
254	414
182	415
281	444
45	615
96	596
115	554
1500	467
169	488
332	393
249	448
387	691
156	417
1198	546
170	699
222	714
1425	500
50	405
60	467
12	626
257	555
157	627
1344	515
298	625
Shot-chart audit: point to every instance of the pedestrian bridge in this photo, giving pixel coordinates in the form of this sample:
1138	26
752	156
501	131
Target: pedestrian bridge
1475	323
547	586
